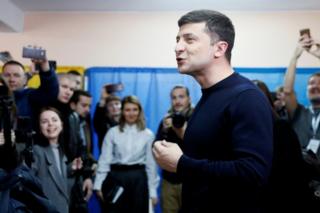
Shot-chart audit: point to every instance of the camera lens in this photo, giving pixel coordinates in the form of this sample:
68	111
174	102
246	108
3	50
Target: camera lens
178	120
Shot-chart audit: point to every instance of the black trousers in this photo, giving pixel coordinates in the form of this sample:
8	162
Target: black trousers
135	197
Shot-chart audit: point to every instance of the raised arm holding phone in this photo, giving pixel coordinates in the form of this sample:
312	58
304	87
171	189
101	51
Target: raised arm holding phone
305	120
29	100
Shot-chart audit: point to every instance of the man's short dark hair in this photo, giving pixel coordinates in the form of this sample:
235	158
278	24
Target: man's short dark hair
316	74
218	25
74	72
180	87
12	62
112	98
76	96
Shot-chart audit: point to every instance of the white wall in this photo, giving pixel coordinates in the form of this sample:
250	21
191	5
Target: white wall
147	39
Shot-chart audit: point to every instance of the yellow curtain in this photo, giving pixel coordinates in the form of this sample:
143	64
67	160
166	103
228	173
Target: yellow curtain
35	80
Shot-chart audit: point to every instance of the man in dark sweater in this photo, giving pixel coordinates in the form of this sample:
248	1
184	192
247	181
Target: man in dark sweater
226	154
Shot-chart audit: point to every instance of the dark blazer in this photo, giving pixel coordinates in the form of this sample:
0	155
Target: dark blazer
54	184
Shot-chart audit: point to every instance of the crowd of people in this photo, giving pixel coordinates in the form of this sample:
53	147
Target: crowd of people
240	149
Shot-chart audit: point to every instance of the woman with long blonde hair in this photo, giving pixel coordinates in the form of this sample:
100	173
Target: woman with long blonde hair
127	158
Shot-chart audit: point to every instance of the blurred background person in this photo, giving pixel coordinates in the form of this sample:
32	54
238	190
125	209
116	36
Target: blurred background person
287	188
106	115
172	128
126	157
305	120
67	86
77	77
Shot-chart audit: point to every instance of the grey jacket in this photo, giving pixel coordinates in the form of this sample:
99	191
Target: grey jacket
54	184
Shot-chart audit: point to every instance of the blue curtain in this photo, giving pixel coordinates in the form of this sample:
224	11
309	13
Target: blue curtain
152	86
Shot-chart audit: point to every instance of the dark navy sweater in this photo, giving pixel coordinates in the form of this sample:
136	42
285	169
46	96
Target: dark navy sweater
227	149
29	100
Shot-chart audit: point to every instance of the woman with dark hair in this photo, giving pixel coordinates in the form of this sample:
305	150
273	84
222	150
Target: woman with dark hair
288	182
126	157
50	162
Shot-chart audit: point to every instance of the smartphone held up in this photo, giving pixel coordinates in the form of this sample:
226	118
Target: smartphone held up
34	53
113	88
305	34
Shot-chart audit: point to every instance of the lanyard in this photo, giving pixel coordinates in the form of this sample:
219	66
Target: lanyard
315	122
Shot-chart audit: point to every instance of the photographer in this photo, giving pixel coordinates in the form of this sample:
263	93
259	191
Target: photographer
108	110
29	100
7	117
305	120
172	128
20	190
80	144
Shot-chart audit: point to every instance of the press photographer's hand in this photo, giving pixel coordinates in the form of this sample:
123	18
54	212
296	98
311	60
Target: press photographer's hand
38	57
77	164
43	65
315	50
303	44
167	122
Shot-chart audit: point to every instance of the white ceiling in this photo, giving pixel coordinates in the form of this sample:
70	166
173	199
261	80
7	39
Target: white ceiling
12	11
164	5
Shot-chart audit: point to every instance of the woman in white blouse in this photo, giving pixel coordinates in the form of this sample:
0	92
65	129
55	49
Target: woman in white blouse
126	156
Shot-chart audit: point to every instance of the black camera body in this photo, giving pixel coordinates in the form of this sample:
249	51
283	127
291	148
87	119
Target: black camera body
178	120
7	150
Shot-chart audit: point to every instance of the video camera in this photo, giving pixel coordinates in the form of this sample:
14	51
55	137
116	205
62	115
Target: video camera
6	104
22	149
178	120
8	155
24	139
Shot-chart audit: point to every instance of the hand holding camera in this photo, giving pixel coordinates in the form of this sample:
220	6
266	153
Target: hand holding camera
308	43
316	48
167	122
38	58
305	38
177	122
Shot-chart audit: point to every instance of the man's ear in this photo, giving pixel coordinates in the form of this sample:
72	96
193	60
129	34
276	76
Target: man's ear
25	79
221	48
